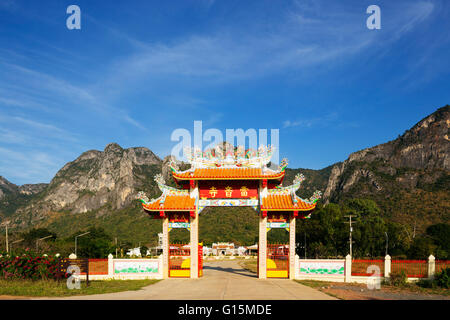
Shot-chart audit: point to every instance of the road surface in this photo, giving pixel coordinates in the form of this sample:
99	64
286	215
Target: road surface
222	280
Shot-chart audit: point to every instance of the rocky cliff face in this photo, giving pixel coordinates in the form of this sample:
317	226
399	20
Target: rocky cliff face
420	157
96	180
7	187
13	196
409	175
32	189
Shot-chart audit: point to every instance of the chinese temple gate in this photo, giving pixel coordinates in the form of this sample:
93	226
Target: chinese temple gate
229	178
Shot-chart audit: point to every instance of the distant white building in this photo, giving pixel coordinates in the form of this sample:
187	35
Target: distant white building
223	249
207	251
252	250
226	249
134	252
241	251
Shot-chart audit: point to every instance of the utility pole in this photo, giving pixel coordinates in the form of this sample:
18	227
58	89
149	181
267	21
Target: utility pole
116	247
7	245
350	231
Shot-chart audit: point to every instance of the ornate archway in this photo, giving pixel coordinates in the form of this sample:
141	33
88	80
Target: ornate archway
231	178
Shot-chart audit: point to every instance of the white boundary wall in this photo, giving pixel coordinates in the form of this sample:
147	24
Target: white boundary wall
311	264
347	275
138	264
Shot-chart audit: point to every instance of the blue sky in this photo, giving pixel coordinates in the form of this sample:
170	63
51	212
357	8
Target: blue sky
137	70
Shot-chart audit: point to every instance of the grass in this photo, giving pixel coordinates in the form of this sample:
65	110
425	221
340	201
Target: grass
50	288
314	283
250	265
414	287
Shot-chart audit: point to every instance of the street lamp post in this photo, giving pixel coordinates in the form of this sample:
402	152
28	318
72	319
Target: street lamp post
76	237
17	241
7	246
37	241
305	245
387	243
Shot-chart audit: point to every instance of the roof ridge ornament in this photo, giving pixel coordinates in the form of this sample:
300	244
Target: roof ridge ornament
314	198
142	197
284	163
229	156
299	178
173	165
159	179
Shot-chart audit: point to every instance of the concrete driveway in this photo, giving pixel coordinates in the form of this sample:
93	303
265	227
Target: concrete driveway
222	280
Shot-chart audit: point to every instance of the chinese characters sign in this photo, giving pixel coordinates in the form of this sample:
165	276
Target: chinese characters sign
228	190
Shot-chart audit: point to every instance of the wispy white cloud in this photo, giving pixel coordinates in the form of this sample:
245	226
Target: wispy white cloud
134	122
24	127
28	166
306	41
310	35
322	121
413	14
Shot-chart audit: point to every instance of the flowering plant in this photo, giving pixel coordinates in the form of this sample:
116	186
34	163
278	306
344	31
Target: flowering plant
28	266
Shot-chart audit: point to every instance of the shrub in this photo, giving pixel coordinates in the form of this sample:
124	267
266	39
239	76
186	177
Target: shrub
28	266
398	278
426	283
442	278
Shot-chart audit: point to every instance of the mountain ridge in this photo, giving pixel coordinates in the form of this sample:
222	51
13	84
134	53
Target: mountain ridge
404	176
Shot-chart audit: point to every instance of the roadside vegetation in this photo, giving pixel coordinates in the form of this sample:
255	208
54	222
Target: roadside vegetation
396	285
250	265
325	233
51	288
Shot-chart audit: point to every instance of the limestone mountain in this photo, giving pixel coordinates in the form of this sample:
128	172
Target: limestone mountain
97	180
13	196
408	176
7	188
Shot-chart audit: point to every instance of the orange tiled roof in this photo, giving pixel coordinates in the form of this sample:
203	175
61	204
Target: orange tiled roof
227	173
280	202
173	203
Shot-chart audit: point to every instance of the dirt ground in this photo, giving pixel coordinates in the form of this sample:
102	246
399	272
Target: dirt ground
3	297
361	292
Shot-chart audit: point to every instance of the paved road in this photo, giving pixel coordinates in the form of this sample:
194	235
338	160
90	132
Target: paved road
222	280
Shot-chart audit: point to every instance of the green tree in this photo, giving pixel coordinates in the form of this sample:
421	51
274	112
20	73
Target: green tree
143	250
369	229
440	234
421	248
96	244
398	242
31	236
